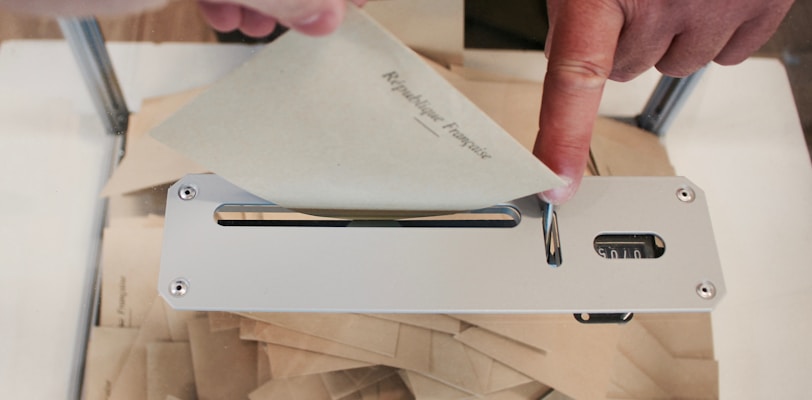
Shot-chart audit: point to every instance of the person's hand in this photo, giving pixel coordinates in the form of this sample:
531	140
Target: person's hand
258	18
590	41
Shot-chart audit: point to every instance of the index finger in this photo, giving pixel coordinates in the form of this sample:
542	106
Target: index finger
580	57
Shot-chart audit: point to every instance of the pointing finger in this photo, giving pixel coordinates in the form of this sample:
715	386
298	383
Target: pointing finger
580	61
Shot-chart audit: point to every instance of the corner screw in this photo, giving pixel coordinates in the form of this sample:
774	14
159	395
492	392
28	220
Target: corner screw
706	290
179	287
187	192
685	194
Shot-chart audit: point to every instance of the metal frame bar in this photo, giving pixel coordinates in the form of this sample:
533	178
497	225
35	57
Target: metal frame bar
666	101
87	43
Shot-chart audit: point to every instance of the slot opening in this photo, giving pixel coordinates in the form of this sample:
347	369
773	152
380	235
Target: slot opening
499	216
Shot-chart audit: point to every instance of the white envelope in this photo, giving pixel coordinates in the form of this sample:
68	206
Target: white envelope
352	123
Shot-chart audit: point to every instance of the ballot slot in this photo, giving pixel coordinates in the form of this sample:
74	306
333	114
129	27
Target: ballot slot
202	234
270	215
616	246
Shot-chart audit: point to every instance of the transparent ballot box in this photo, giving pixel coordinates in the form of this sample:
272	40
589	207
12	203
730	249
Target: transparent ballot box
133	270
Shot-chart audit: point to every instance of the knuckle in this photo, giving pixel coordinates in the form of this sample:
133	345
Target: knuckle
578	74
629	67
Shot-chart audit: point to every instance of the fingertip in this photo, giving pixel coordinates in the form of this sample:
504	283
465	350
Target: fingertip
728	59
568	161
256	24
561	195
322	22
223	17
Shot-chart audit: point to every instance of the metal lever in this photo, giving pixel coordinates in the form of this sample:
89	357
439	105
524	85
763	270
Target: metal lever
552	244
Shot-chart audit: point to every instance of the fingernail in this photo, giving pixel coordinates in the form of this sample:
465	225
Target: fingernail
311	20
319	24
559	195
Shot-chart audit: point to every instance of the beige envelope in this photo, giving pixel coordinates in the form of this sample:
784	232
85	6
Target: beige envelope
308	387
388	389
435	322
676	377
495	375
130	261
685	335
287	362
222	321
340	384
358	330
430	27
263	364
623	150
131	382
107	351
169	371
531	390
225	367
178	321
434	354
425	388
578	366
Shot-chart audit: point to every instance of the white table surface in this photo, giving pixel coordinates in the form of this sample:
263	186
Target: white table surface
738	138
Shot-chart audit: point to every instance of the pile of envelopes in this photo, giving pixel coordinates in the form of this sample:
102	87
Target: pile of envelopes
142	349
145	350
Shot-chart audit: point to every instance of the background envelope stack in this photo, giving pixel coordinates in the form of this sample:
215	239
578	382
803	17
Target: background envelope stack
144	349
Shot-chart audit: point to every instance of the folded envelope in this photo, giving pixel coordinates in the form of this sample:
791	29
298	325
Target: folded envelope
351	123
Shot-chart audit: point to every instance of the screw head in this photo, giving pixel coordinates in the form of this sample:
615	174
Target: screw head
187	192
179	287
706	290
686	194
